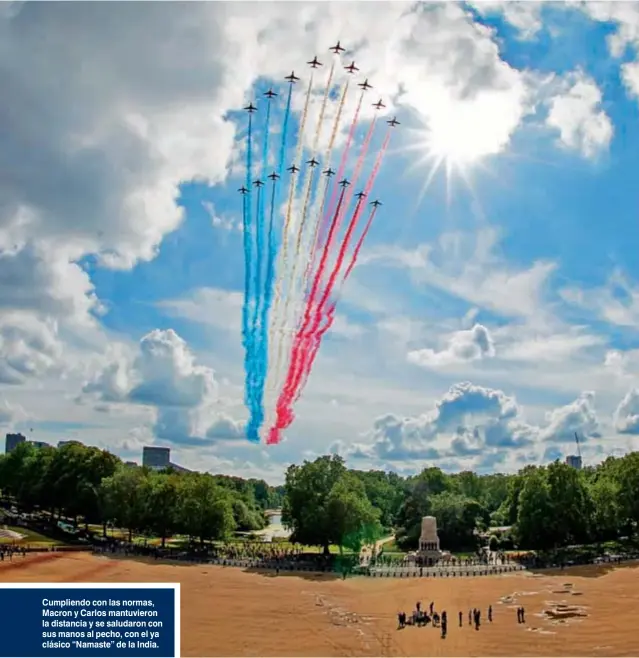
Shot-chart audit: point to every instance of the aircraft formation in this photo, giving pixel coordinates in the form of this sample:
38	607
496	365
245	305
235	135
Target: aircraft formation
296	267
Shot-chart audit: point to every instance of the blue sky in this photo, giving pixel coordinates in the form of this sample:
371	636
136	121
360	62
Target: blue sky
491	316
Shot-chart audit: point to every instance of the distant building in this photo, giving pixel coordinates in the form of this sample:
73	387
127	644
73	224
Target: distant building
130	463
155	457
40	444
574	461
63	443
12	441
180	469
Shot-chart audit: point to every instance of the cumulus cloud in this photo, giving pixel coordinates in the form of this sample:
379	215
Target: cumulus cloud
575	112
28	347
473	421
463	346
626	416
468	266
525	17
164	375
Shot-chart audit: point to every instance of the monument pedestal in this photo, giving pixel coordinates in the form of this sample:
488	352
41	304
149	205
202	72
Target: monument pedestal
429	550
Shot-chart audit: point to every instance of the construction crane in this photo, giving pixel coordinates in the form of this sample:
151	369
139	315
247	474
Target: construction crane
578	446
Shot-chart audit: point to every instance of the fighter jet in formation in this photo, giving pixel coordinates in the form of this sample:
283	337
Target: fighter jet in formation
293	169
273	176
337	49
393	122
243	190
379	105
360	195
376	203
292	78
351	68
345	183
270	94
314	63
365	85
312	162
258	183
329	172
250	108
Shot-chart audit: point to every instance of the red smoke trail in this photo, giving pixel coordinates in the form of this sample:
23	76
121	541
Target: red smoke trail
356	173
309	342
291	376
340	170
298	354
330	314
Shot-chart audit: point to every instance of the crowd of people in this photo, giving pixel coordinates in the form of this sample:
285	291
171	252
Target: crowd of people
7	551
420	618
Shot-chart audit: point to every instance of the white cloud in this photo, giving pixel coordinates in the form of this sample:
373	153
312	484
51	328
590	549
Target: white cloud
473	422
463	346
617	302
575	112
627	413
467	267
524	16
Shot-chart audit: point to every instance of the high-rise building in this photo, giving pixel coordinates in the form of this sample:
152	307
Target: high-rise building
155	457
574	461
13	440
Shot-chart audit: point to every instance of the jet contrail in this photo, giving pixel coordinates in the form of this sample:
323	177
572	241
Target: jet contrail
314	341
322	206
342	164
277	323
248	261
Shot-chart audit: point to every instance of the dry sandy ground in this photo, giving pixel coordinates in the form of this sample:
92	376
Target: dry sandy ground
229	612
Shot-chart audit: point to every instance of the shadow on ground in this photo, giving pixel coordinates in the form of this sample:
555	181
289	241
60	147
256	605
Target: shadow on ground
586	570
315	576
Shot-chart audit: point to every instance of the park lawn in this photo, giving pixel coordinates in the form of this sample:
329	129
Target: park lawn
30	538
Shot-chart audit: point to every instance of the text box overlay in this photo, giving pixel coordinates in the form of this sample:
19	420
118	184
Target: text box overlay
91	621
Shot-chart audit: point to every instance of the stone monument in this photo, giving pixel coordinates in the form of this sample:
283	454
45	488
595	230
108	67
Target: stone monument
429	541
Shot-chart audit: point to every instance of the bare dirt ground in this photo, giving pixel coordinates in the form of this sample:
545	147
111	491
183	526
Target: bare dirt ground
589	611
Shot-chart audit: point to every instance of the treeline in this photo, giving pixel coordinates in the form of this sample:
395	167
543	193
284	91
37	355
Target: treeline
323	502
91	486
541	507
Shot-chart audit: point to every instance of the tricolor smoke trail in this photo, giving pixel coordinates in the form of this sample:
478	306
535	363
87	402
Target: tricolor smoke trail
308	338
248	263
301	239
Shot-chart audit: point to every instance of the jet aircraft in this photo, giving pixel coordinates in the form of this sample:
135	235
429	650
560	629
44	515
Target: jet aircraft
292	78
243	190
379	105
270	94
351	68
337	49
293	169
360	195
273	176
329	172
312	162
365	85
393	122
344	183
258	183
376	203
250	108
314	63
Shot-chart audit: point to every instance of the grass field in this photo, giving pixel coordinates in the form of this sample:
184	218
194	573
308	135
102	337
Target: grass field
30	538
231	612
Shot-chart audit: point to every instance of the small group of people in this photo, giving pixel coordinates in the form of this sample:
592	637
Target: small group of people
8	551
421	617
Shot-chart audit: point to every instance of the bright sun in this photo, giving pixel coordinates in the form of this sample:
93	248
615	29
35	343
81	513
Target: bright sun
452	140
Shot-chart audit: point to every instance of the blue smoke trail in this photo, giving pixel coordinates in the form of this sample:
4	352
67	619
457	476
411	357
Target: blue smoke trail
257	416
248	260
